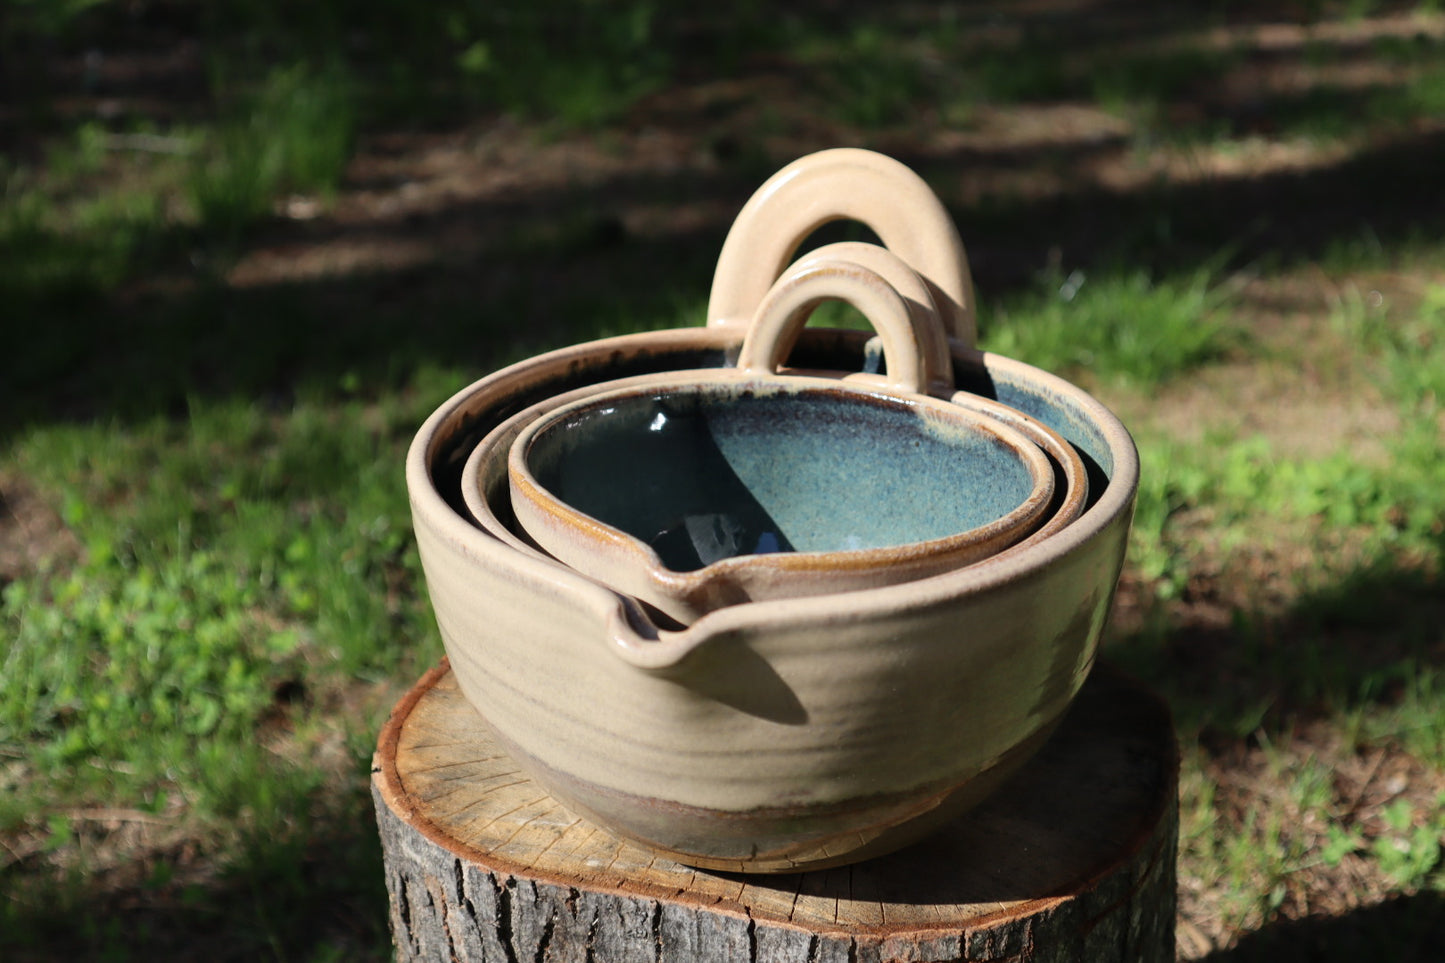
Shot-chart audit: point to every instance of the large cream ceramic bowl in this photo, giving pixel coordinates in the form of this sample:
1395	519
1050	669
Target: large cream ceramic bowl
778	735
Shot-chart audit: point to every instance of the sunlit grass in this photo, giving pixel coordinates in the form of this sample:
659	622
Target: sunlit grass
223	558
1121	325
240	576
293	134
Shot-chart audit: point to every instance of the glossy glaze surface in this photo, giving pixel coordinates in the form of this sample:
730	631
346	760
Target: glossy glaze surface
732	487
715	471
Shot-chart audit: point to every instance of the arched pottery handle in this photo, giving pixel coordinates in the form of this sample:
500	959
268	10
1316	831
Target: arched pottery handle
843	184
878	284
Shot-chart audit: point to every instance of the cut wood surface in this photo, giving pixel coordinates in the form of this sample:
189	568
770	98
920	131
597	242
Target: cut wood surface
1072	860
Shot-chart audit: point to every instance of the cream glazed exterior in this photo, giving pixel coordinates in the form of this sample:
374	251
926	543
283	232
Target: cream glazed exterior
793	733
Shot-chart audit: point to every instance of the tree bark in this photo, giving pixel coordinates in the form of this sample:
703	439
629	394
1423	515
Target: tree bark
1072	860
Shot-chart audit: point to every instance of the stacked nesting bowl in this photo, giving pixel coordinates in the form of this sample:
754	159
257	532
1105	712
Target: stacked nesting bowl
641	638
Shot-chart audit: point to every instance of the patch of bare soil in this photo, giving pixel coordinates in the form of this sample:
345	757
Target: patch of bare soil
1298	382
1302	381
32	535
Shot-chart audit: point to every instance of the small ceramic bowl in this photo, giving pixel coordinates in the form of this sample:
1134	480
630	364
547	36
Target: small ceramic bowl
716	490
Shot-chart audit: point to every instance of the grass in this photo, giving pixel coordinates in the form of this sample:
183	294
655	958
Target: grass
209	594
1122	324
872	77
66	233
292	135
1357	643
235	570
204	549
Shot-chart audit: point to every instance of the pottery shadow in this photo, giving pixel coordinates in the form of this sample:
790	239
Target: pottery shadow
739	677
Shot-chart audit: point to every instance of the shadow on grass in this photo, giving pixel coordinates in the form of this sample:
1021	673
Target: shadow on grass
1274	219
1403	929
563	267
286	897
548	267
1369	640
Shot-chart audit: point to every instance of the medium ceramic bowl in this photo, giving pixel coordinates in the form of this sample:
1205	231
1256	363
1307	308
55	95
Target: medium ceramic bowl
486	496
484	483
719	490
786	734
743	485
1071	478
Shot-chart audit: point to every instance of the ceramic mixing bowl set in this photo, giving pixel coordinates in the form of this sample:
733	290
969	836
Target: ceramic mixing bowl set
766	597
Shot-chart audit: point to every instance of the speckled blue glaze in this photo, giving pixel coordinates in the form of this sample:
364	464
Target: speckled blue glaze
710	471
1058	413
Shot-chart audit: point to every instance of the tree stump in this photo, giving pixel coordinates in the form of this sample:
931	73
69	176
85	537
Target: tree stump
1072	860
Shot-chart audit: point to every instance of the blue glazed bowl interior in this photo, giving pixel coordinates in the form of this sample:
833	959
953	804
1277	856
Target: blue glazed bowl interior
706	472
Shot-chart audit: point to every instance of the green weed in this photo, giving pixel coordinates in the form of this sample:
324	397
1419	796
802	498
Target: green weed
1411	715
1121	326
1035	70
65	237
76	250
1409	851
1393	506
573	65
293	134
1396	503
224	560
1139	85
62	238
1168	485
1421	96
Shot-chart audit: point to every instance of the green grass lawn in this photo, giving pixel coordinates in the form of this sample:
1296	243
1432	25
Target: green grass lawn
247	247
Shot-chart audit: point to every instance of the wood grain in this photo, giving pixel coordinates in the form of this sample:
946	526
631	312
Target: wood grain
1073	859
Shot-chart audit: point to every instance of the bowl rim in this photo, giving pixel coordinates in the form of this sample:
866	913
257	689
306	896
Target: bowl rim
649	647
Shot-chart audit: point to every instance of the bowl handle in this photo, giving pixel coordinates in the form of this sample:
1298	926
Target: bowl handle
843	184
932	340
914	365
